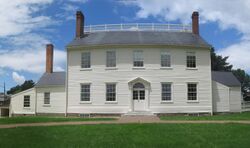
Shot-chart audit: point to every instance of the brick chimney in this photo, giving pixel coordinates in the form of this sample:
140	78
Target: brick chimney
49	58
195	22
79	24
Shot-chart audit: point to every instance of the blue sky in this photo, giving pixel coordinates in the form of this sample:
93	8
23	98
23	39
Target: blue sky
28	25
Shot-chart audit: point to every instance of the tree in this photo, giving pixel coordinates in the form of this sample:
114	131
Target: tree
26	85
219	63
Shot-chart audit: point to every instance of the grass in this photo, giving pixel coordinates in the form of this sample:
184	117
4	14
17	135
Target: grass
39	119
129	135
235	116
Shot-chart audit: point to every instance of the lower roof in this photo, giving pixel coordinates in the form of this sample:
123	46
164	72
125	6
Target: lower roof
52	79
225	78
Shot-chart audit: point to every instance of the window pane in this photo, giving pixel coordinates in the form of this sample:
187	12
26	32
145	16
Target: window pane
85	60
46	98
191	60
111	59
138	59
142	94
192	91
165	59
135	95
26	101
85	92
110	92
166	92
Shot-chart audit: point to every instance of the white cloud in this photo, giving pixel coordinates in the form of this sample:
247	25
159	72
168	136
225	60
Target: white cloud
19	79
28	54
17	16
24	49
228	14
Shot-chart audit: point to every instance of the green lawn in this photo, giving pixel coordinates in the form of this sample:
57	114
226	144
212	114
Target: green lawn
129	136
235	116
37	119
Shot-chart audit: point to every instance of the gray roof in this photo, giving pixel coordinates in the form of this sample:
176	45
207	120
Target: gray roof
140	38
52	79
225	78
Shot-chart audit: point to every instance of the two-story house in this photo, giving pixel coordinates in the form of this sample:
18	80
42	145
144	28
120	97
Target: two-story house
133	69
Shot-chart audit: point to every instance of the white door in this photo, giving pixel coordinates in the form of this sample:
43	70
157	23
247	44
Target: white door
139	97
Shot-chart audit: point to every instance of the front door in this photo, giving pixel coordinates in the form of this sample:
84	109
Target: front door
139	97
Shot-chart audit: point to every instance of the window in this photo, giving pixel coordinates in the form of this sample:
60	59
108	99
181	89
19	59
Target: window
138	59
165	59
192	91
191	60
26	101
110	92
111	59
46	98
166	92
86	60
85	92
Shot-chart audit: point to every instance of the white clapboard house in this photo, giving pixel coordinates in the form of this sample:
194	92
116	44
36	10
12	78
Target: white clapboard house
132	69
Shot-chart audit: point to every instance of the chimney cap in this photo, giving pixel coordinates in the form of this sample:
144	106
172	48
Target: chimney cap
195	13
79	13
50	45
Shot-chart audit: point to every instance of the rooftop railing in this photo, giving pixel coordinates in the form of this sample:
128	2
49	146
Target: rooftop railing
139	27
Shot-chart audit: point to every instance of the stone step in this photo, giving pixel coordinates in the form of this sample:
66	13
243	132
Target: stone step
139	113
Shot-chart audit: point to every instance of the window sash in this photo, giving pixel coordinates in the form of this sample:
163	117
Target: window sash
26	101
191	60
86	60
166	92
138	59
110	92
192	91
111	59
46	98
165	59
85	92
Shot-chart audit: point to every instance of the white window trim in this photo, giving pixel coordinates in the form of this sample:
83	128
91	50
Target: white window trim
172	96
143	59
49	99
197	92
165	67
111	67
29	102
111	102
196	66
90	56
90	99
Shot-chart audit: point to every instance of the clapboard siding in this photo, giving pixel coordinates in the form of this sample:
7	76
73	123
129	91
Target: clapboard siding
178	75
235	99
16	104
57	100
220	97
